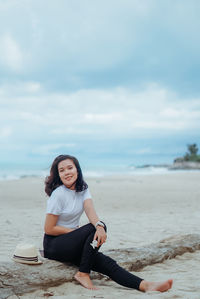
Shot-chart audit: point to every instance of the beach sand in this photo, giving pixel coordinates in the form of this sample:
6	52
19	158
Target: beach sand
138	210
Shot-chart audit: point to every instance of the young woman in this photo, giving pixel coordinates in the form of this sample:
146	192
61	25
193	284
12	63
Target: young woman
65	241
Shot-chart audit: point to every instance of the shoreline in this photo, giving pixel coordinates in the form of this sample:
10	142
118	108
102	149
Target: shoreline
150	170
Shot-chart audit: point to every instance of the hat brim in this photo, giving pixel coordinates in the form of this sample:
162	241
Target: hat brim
27	262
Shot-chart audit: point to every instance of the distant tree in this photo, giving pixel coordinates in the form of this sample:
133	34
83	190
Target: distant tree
192	149
190	155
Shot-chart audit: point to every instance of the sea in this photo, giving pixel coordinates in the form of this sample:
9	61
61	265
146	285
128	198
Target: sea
16	171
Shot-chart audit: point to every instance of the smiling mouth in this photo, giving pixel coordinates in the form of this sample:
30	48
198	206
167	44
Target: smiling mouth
68	178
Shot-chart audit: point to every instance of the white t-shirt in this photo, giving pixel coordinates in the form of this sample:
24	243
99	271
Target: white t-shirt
68	205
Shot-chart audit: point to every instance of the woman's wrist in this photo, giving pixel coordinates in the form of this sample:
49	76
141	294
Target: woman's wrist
99	224
100	227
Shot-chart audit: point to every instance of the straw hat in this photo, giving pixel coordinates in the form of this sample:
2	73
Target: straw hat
26	254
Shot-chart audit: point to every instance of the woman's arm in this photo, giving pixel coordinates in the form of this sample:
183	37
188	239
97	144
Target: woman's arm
51	228
100	234
90	211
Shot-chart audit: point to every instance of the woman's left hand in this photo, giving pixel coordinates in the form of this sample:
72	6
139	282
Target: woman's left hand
100	235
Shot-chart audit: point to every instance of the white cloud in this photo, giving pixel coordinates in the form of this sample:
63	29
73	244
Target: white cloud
20	88
89	43
32	87
10	53
102	118
5	132
181	113
49	148
83	39
67	130
116	112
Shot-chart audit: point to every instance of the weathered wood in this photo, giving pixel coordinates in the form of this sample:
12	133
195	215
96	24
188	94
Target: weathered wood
17	278
134	259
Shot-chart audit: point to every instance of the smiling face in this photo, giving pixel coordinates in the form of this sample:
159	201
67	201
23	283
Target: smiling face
68	173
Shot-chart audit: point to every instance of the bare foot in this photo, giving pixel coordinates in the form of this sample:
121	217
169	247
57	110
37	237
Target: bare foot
147	286
84	280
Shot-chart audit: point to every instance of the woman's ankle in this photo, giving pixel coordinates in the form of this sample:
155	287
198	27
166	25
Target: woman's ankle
143	286
82	274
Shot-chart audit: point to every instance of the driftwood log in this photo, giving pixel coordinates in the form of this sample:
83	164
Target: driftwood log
17	279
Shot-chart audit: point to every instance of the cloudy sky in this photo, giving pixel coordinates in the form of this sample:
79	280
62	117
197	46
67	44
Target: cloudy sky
116	80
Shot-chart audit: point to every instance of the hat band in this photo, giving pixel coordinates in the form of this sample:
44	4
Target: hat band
30	259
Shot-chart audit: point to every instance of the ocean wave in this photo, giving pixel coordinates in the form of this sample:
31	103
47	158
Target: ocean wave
21	175
97	173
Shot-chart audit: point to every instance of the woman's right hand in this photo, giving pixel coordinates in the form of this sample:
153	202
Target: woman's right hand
100	235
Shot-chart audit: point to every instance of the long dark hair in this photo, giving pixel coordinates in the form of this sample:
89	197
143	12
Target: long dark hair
53	180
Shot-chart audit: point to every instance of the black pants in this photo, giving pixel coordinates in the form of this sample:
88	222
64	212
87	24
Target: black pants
75	247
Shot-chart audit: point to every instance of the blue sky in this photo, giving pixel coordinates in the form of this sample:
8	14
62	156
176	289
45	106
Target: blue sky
99	79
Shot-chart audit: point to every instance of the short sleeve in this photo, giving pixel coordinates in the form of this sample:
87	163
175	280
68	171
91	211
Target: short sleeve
54	204
86	194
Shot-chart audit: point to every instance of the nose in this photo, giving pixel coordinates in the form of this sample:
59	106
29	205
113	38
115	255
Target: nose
67	171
